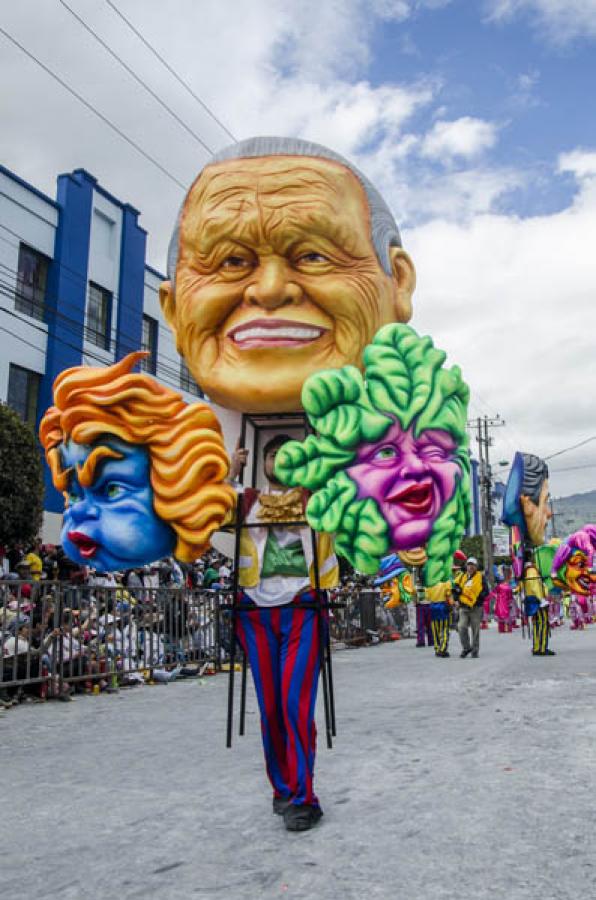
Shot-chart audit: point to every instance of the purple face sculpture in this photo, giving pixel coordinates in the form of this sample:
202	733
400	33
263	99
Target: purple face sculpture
411	478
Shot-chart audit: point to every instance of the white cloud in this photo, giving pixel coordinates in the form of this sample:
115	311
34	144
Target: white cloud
559	20
466	137
581	163
512	301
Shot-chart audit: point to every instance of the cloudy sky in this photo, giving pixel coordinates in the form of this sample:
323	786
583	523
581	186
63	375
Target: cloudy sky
475	118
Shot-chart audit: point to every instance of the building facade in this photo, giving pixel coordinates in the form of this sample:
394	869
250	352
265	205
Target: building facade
75	289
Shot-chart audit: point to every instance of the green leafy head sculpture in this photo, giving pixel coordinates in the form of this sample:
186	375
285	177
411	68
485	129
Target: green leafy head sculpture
388	463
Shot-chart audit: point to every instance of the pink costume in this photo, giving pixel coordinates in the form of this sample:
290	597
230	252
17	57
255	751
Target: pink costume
486	611
554	610
502	595
575	613
586	612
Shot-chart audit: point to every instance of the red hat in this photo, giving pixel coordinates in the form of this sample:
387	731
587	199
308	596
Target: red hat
459	556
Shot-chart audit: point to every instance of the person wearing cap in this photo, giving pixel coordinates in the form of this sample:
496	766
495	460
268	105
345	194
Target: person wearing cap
470	589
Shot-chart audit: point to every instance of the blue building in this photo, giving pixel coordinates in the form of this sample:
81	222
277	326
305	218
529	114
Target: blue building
75	289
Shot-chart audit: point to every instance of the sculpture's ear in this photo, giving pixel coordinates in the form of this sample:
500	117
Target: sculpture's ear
404	276
167	302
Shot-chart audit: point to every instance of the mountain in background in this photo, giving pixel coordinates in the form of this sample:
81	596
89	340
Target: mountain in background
572	513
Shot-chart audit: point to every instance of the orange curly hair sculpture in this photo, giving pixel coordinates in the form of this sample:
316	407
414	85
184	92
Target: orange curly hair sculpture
187	455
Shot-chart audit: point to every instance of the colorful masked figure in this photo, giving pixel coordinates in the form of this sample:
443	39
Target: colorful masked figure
395	582
573	561
526	511
141	471
284	260
389	464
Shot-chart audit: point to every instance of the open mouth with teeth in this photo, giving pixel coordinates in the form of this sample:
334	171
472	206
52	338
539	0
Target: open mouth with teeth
84	544
274	333
416	497
584	582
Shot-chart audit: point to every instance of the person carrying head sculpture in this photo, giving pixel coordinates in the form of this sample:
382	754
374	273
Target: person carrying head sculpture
389	464
526	511
142	472
284	260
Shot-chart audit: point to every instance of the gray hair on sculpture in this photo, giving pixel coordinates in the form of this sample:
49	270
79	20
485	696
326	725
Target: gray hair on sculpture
535	474
384	230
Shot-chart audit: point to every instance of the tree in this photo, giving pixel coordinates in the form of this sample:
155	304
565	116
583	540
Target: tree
472	546
21	480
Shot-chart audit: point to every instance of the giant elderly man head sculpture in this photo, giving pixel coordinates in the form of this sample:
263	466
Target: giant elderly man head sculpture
284	260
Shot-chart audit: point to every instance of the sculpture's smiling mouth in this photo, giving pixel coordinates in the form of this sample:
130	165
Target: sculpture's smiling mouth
274	333
584	582
86	546
416	497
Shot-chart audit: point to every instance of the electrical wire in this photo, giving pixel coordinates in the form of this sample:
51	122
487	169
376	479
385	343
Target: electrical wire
136	77
72	275
573	447
92	108
116	335
85	352
172	71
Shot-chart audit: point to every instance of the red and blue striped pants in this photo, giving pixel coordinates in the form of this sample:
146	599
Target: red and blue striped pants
283	648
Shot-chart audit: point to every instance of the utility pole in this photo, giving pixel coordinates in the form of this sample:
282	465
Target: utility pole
484	440
553	519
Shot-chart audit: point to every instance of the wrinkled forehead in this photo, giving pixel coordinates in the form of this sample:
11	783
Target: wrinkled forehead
294	185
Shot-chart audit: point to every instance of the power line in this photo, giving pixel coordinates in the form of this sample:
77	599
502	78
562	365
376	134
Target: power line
573	447
575	468
136	77
83	351
172	71
74	276
89	106
11	290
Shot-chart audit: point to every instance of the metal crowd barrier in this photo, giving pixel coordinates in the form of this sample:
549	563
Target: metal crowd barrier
54	635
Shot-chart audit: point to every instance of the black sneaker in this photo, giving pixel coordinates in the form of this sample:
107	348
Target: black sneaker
280	804
474	654
301	817
443	654
465	653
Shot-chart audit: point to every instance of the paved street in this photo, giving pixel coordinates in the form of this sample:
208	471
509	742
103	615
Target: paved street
449	778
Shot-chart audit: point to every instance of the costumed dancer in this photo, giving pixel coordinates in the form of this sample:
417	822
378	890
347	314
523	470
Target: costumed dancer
555	609
575	613
526	509
424	629
281	637
502	596
284	260
389	463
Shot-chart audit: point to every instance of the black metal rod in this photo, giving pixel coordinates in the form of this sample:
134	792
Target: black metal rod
243	695
233	613
322	643
330	677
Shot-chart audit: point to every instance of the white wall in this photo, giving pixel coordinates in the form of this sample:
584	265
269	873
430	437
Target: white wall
104	268
26	217
168	359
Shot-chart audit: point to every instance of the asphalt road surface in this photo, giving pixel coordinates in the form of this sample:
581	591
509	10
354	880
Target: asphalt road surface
448	779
